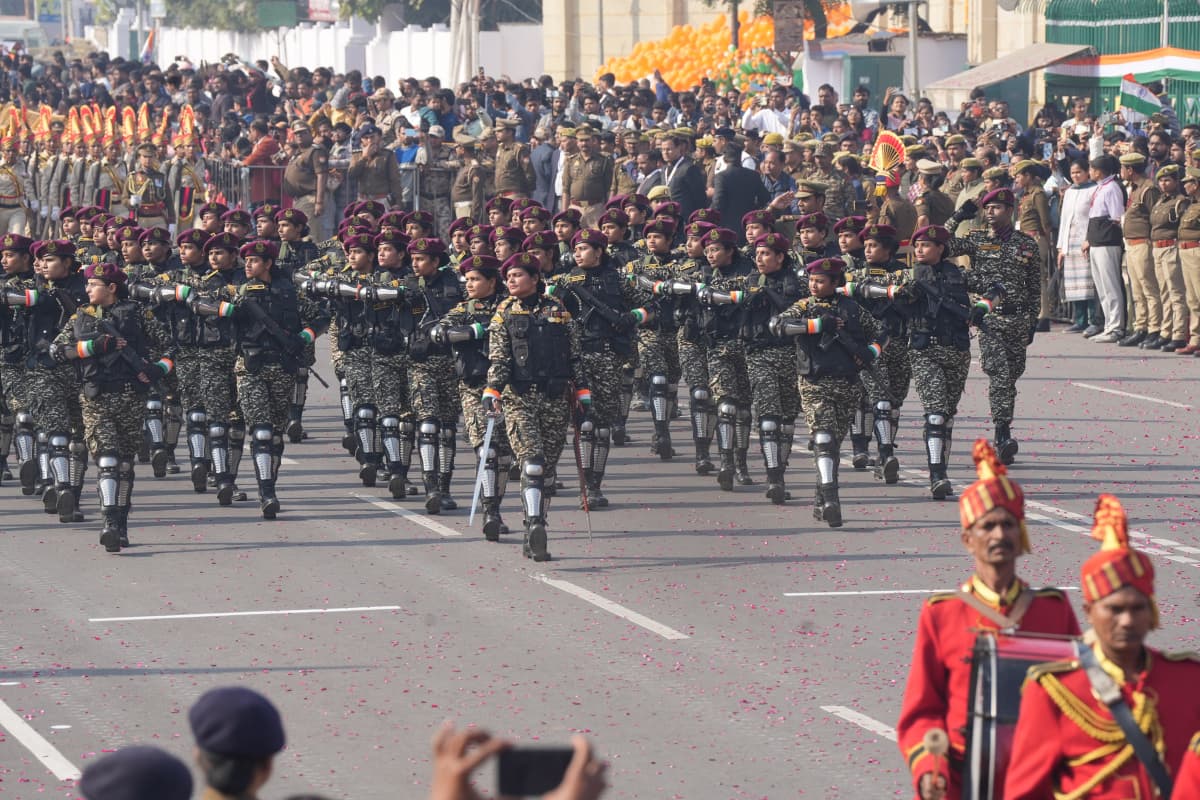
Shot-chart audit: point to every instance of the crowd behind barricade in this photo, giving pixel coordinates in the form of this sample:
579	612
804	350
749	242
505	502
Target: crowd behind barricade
536	258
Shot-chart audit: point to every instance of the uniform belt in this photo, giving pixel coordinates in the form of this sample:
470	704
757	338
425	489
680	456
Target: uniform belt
1188	245
151	210
1164	242
1136	241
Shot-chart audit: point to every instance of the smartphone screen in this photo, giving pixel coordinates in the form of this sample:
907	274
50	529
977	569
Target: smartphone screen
532	771
1047	151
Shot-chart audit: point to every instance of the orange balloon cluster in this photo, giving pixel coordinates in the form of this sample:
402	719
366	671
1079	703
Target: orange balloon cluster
690	53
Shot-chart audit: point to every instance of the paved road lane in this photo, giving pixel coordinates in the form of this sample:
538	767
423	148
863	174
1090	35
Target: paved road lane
699	637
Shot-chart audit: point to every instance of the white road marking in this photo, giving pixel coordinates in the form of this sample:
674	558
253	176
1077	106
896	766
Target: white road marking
891	591
412	516
863	721
34	742
1081	524
287	461
272	613
60	727
1132	395
10	683
613	607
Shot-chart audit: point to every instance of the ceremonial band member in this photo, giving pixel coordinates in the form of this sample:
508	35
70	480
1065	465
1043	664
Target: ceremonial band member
1068	742
993	531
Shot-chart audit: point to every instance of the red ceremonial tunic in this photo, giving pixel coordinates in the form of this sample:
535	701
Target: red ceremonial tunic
940	677
1187	783
1067	744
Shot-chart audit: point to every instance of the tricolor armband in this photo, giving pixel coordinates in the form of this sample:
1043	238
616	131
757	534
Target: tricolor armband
847	289
181	292
31	297
225	309
584	396
478	330
308	335
815	326
985	304
875	350
166	365
639	314
85	349
490	392
551	290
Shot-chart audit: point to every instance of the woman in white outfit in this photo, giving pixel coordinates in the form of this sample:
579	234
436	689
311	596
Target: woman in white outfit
1078	288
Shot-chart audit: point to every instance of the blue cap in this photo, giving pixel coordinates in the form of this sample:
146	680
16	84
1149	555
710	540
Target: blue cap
237	722
137	773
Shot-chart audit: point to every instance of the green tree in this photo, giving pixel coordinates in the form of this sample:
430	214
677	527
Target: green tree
225	15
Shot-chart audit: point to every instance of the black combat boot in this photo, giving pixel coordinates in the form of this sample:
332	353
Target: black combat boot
935	450
1006	446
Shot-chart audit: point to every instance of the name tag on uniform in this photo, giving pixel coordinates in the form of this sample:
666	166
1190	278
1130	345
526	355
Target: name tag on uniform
988	248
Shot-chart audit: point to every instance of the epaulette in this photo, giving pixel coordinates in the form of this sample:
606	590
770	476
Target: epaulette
90	311
1038	671
941	596
1184	655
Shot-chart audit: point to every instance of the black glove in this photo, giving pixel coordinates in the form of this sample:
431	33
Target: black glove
104	343
627	322
977	315
829	323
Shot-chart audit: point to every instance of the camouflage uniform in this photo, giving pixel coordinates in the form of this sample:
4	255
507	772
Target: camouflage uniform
205	368
294	257
164	408
657	347
771	368
466	327
114	388
16	422
1010	258
940	352
882	403
534	352
693	363
606	326
829	388
273	323
390	380
52	396
434	385
729	379
330	264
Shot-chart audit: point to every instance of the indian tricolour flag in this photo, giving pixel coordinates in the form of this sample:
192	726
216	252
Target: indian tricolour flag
1137	102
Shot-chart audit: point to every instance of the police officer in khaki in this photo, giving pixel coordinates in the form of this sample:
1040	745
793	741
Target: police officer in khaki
934	206
305	176
1189	258
1164	235
514	167
375	170
1033	218
971	188
14	185
1139	255
587	178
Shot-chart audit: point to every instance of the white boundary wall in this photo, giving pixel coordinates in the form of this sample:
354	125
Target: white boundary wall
514	50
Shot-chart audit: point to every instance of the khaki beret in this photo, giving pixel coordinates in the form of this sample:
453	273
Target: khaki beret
773	140
1024	165
1133	159
957	138
996	174
1169	171
971	163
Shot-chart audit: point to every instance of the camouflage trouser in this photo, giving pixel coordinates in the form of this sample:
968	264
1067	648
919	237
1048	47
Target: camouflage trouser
433	386
443	214
357	366
829	403
476	420
773	382
12	380
389	384
113	423
206	380
896	366
264	395
52	396
536	424
335	353
1002	355
941	374
693	361
602	371
658	353
728	378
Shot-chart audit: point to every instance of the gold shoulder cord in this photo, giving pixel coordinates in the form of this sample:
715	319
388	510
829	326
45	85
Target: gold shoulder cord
1106	731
